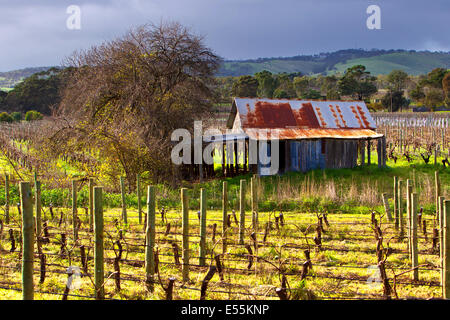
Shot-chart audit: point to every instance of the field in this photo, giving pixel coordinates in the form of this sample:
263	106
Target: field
320	235
343	264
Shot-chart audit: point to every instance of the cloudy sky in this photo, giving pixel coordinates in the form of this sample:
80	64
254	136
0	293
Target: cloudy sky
35	33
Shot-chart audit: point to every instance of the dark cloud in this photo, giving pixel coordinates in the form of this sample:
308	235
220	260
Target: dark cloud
34	33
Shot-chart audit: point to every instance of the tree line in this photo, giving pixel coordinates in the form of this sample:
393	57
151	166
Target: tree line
392	92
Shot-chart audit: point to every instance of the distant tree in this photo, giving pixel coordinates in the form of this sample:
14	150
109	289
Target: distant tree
33	115
446	88
40	92
434	78
397	80
17	116
358	83
417	94
395	101
280	94
434	98
312	94
5	117
266	84
286	84
301	85
245	86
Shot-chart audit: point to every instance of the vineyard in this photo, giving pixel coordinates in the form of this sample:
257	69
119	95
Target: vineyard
363	233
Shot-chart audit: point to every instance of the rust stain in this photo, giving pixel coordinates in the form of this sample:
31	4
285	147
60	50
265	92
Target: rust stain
357	116
305	116
336	119
341	116
363	116
322	120
270	115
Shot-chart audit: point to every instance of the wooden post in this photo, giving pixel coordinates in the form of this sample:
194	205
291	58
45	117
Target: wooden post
124	205
362	152
414	249
446	260
400	209
7	199
185	227
138	194
224	216
408	213
254	204
27	241
98	250
150	235
441	236
368	151
74	211
387	208
396	202
38	204
202	259
437	190
242	212
91	204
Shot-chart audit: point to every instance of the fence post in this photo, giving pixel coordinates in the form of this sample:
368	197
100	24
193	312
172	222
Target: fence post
27	241
441	236
408	213
437	190
91	204
202	259
400	209
185	227
224	216
74	210
124	205
138	193
396	202
7	199
414	249
98	250
150	238
37	187
387	208
241	212
446	262
254	204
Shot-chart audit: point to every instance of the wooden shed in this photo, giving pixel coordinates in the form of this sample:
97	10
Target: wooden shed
309	134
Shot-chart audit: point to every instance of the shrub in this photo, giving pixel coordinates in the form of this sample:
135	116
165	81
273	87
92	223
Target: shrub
4	117
17	116
33	115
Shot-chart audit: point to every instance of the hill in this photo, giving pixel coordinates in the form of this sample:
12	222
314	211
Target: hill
376	61
9	79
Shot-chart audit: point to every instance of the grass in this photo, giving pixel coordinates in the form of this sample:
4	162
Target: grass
343	268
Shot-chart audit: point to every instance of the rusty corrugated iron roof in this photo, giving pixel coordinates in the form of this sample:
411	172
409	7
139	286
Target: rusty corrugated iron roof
295	134
299	119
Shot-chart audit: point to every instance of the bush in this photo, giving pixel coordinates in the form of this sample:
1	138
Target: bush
17	116
4	117
33	115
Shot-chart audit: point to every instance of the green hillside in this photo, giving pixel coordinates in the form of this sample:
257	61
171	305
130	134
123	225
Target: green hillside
376	61
11	78
412	63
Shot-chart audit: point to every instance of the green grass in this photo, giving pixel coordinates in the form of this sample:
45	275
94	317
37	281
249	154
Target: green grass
348	253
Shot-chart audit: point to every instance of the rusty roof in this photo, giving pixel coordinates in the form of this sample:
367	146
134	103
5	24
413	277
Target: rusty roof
302	119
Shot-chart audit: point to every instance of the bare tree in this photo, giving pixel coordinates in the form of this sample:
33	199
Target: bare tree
126	96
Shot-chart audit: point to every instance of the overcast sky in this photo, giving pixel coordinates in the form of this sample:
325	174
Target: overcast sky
34	32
